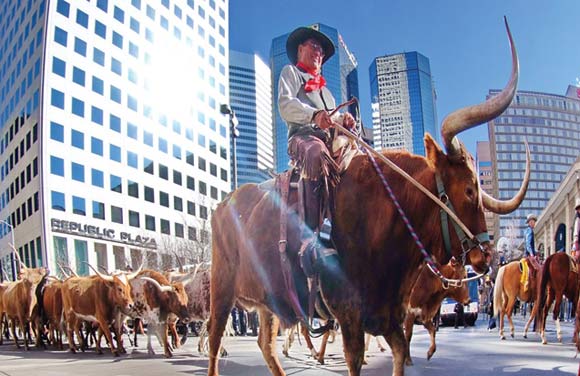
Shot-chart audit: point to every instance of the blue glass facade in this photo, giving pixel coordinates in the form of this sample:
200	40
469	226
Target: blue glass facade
341	79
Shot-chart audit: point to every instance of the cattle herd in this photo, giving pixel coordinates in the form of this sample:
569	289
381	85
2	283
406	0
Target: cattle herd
91	307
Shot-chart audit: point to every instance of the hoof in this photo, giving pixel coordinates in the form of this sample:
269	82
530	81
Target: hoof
321	361
409	361
365	362
285	353
73	351
512	335
525	336
502	338
430	355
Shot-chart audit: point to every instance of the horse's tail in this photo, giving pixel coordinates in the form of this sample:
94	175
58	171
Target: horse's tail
541	295
498	294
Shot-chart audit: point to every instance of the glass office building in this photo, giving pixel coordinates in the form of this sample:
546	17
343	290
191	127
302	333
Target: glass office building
113	149
340	72
551	125
402	102
251	99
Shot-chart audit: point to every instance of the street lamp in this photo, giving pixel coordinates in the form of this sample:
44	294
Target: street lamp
235	133
13	246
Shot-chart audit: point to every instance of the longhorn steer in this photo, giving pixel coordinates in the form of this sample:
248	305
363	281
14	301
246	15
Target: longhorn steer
158	302
365	285
96	299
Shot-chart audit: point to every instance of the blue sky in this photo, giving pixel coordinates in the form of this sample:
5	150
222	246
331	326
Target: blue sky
465	41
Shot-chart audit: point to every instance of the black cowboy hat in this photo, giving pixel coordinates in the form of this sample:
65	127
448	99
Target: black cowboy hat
302	34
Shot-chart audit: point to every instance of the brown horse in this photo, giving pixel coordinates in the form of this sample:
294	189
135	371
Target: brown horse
377	260
508	288
558	279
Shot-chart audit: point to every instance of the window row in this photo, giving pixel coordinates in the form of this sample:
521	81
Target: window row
19	182
121	216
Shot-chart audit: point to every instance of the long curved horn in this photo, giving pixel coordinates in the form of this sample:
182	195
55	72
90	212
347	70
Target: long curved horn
158	285
508	206
130	276
104	277
22	265
471	116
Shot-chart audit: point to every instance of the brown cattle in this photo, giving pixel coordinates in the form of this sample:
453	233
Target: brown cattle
3	287
19	300
558	278
95	299
52	309
426	296
508	288
158	302
378	260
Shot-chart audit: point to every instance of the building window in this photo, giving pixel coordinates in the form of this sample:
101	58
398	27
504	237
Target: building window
117	39
96	115
98	57
97	178
98	85
190	208
79	206
177	203
132	159
78	172
102	5
116	66
57	98
116	184
148	138
78	107
115	153
82	19
77	139
56	166
57	199
58	67
163	199
100	29
163	145
116	214
96	146
177	177
98	210
203	188
165	229
60	36
80	47
149	222
133	188
56	132
132	131
115	94
63	7
133	219
203	212
176	152
179	230
148	166
115	123
149	194
163	172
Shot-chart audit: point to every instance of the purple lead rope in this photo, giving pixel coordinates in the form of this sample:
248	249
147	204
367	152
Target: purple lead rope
425	254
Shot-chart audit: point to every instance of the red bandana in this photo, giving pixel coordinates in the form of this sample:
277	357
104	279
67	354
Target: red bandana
317	82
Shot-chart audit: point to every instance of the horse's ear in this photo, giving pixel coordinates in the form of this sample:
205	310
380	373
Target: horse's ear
432	151
453	261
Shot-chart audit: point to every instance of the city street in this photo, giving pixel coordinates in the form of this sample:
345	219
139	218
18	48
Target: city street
473	351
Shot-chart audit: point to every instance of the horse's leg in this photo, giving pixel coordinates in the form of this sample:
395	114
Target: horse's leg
556	315
509	311
549	301
501	311
267	341
408	325
399	347
309	344
532	317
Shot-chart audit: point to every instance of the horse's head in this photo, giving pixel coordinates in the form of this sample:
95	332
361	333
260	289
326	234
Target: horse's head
457	178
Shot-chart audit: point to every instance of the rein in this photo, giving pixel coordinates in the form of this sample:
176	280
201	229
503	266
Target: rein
467	239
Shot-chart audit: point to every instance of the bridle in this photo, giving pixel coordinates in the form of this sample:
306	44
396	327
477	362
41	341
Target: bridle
468	240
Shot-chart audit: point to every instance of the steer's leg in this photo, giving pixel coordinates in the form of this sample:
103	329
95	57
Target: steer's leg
269	325
428	324
107	332
408	325
353	338
396	340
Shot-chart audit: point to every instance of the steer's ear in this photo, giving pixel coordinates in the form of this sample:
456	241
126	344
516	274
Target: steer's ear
432	150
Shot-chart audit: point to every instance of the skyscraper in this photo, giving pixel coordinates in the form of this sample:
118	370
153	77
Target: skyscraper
485	172
113	147
340	72
551	125
251	99
403	102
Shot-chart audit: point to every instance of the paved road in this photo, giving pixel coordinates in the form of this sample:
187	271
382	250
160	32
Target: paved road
472	352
